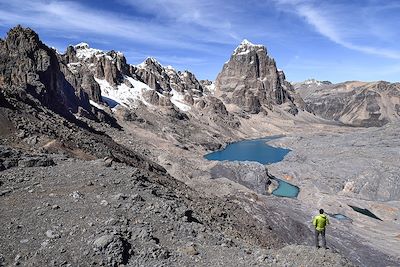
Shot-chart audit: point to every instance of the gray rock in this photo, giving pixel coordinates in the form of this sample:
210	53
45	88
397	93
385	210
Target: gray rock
251	80
35	162
252	175
103	241
52	234
190	249
31	66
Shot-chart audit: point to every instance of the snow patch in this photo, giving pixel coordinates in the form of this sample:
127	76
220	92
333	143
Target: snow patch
246	42
94	104
312	82
178	100
74	66
124	95
211	88
83	51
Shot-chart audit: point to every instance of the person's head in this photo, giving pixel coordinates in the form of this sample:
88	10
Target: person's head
321	211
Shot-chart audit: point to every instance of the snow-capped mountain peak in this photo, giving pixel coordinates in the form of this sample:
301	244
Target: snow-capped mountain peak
246	46
81	45
246	42
84	51
149	61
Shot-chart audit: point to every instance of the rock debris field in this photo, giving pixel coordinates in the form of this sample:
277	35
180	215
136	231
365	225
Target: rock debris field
90	213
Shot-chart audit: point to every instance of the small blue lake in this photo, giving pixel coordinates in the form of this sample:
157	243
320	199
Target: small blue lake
340	217
285	189
257	150
251	150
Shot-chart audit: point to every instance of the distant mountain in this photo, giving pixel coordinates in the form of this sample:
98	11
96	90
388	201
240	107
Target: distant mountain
354	103
310	83
251	81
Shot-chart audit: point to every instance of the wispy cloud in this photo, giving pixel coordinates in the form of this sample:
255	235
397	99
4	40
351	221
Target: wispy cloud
73	17
342	24
206	13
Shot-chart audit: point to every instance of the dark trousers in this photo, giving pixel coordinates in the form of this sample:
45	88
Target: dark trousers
322	233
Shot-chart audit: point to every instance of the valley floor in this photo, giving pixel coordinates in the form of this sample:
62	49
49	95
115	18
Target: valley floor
87	213
335	166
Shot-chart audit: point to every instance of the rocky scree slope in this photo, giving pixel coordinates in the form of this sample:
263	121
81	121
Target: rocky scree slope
108	215
354	103
251	81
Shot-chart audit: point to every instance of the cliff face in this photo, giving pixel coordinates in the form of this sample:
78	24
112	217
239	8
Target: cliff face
30	66
251	80
166	79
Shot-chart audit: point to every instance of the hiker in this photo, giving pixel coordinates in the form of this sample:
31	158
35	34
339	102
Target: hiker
320	221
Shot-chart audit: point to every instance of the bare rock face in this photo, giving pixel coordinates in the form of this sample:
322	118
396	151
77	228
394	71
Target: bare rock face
29	65
91	87
216	111
90	63
213	105
355	103
251	80
165	79
252	175
151	97
208	86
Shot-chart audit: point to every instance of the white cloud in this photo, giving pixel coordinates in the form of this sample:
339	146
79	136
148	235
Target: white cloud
212	14
71	17
340	24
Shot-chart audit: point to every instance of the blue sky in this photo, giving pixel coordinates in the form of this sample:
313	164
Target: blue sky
335	40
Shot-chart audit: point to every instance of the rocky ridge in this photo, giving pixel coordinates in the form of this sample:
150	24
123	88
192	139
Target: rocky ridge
354	103
148	82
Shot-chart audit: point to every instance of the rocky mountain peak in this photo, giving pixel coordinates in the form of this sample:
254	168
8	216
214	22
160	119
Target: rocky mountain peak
22	39
251	80
166	79
85	52
246	46
312	82
82	45
150	62
30	66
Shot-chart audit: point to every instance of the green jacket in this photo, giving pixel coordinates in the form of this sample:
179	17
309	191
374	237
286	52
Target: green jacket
320	221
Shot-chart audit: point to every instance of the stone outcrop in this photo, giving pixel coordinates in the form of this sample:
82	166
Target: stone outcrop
252	175
354	103
165	79
251	80
87	63
29	66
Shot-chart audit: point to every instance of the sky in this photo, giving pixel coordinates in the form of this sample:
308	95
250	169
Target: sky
335	40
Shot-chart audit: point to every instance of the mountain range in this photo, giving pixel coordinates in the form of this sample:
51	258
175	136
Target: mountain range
121	146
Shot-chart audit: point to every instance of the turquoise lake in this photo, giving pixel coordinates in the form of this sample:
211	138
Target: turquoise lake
257	150
251	150
286	189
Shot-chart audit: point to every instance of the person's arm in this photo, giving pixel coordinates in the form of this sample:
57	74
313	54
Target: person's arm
314	222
